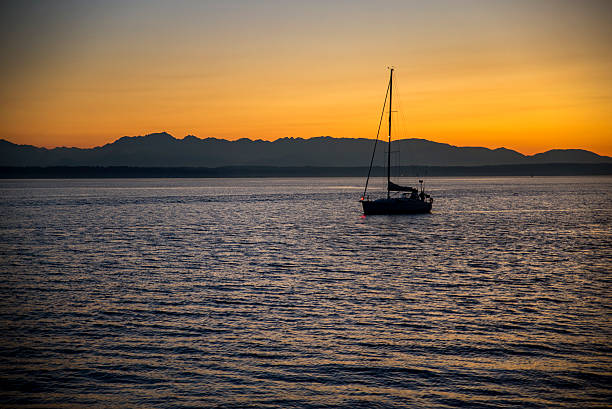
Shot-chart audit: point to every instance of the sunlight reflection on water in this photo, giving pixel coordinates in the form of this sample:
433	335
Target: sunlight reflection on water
278	293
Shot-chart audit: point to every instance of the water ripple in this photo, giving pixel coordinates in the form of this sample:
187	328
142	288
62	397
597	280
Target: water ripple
277	293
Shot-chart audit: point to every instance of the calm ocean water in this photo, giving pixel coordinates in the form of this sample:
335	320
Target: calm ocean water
276	293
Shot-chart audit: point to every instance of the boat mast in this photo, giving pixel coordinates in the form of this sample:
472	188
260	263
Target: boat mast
389	146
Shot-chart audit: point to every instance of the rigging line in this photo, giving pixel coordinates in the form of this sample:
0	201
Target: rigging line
401	120
396	170
376	141
403	124
400	133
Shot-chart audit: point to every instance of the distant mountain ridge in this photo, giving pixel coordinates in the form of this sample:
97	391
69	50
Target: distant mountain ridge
163	150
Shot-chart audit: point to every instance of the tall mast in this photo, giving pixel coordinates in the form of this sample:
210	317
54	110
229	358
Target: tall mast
389	146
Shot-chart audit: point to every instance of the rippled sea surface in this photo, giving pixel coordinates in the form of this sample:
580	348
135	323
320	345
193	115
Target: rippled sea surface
277	293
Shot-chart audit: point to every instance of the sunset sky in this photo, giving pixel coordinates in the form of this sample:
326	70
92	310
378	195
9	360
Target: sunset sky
526	75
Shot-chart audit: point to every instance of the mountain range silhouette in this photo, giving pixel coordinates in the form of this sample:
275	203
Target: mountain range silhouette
163	150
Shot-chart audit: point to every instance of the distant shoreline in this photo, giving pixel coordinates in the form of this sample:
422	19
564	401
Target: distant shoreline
83	172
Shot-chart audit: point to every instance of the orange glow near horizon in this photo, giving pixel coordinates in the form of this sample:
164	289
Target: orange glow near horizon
490	74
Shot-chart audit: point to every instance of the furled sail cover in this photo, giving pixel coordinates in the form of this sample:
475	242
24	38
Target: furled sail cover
397	188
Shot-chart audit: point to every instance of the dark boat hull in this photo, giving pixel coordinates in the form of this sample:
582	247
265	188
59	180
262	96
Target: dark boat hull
395	206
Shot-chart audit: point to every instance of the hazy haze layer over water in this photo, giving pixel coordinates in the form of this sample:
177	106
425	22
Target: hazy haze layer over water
277	293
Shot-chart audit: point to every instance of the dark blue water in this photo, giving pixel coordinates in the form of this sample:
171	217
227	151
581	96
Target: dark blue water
276	293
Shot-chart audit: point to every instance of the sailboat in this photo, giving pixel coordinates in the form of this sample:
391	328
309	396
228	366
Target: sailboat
399	199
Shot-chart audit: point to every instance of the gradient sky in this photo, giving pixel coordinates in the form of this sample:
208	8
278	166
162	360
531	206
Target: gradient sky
527	75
